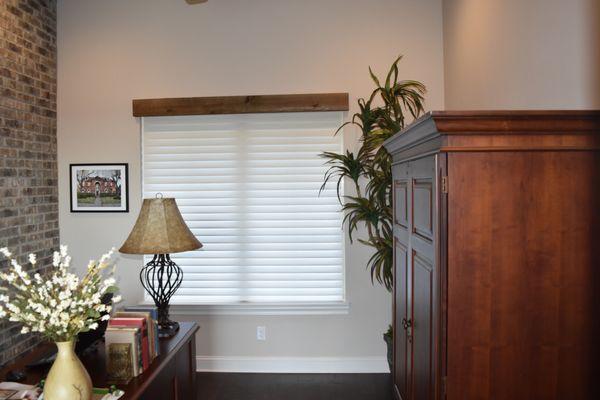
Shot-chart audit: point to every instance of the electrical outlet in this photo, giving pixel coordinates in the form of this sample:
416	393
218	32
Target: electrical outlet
261	333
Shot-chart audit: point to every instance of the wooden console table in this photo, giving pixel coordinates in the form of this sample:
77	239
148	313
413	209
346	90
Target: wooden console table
172	375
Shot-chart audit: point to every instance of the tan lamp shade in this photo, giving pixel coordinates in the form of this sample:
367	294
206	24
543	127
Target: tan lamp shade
160	229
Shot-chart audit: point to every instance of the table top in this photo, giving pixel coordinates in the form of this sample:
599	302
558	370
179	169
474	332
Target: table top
95	363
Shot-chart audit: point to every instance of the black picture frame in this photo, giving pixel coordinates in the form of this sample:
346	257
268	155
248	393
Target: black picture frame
101	186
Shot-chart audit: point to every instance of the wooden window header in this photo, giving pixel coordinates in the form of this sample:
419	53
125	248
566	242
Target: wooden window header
240	104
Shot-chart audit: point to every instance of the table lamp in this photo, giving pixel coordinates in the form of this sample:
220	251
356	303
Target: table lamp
160	230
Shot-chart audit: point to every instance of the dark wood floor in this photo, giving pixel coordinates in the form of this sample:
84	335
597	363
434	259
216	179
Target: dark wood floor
222	386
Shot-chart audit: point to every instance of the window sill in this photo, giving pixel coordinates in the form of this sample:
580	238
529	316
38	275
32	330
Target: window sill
334	308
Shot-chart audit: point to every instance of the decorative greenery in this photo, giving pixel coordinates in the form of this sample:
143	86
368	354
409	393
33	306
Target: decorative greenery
58	305
372	206
389	333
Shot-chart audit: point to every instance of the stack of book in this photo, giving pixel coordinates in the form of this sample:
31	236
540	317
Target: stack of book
131	342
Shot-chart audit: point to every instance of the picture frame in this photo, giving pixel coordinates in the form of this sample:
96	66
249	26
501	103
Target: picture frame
99	188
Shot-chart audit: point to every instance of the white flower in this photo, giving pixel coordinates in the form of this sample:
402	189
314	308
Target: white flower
12	308
65	304
105	317
109	282
24	330
56	259
93	325
3	313
18	269
32	259
116	299
5	251
63	250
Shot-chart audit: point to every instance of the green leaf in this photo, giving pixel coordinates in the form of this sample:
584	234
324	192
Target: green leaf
112	289
375	79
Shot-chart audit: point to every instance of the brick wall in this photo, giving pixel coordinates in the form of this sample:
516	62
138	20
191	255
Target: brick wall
28	172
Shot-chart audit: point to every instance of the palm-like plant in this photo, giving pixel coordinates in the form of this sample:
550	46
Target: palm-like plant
372	204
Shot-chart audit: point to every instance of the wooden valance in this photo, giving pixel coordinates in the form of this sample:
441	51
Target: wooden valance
240	104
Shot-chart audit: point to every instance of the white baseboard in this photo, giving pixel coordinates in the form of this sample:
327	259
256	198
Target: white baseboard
319	365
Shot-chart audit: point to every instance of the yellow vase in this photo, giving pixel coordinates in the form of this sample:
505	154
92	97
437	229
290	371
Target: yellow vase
67	379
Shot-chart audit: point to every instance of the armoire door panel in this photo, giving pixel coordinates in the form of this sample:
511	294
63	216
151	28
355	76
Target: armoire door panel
422	326
401	310
422	208
401	202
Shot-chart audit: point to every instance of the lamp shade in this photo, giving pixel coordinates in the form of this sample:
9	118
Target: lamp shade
160	229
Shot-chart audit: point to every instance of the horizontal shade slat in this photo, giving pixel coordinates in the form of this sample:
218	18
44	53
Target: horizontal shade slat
264	276
291	283
229	267
250	245
236	299
262	291
229	258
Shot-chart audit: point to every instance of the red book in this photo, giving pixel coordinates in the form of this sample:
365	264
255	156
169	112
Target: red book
138	323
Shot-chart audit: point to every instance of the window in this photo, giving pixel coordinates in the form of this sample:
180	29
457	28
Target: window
248	186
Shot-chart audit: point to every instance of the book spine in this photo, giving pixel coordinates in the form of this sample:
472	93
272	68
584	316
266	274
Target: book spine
156	342
145	346
138	337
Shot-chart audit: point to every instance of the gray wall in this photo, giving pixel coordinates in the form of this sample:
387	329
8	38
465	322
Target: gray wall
522	54
28	181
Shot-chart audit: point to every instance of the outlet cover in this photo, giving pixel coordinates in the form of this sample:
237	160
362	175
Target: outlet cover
261	333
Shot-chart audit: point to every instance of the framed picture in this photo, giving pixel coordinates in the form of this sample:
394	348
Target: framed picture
99	188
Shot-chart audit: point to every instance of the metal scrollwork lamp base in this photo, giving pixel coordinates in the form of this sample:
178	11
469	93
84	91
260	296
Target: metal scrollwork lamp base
160	230
161	278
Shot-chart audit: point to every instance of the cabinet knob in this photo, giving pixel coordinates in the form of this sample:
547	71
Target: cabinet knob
406	323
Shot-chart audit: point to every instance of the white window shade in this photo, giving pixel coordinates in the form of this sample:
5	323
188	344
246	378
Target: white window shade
248	187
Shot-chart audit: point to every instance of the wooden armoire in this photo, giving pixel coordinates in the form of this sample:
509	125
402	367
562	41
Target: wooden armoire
497	256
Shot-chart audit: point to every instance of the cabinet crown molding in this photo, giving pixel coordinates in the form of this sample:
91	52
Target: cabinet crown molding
511	130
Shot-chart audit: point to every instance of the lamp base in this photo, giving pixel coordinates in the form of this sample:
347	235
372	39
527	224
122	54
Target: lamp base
161	277
168	330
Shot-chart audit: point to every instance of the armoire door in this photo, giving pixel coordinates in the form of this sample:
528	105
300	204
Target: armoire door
415	216
402	364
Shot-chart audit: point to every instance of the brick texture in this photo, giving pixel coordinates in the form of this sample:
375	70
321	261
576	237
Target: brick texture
28	172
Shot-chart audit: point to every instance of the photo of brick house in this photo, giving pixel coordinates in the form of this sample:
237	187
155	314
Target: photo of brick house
98	185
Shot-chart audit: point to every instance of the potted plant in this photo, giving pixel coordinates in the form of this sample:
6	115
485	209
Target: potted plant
59	305
379	117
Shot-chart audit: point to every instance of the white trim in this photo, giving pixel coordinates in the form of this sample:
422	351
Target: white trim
320	365
333	308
